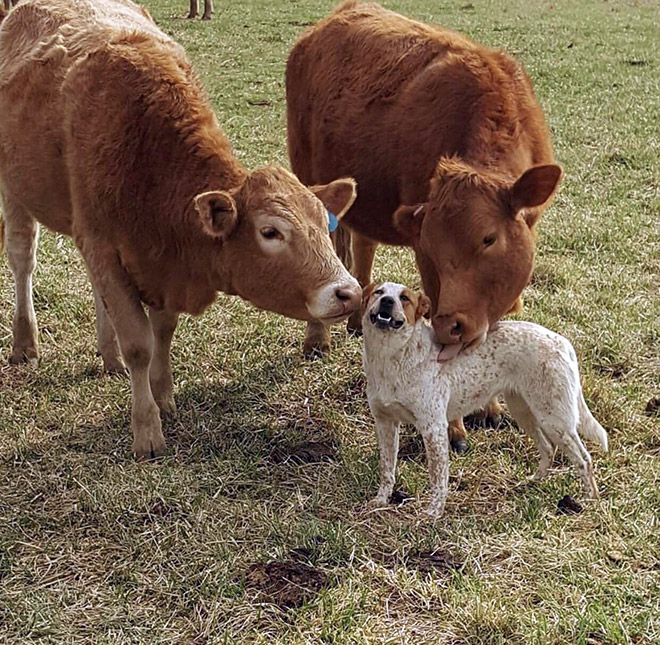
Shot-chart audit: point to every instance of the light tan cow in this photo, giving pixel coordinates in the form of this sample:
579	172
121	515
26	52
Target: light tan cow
107	135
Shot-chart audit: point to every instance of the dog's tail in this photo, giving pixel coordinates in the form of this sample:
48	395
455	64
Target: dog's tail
588	427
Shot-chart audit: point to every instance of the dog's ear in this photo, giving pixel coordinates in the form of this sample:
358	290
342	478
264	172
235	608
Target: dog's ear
423	306
367	292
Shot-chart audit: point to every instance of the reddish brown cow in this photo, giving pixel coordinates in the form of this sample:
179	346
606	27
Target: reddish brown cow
448	145
107	135
194	9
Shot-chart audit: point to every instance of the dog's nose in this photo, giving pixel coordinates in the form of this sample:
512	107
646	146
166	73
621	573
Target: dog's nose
387	301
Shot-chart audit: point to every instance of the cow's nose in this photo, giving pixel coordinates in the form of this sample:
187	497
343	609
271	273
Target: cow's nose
449	329
350	296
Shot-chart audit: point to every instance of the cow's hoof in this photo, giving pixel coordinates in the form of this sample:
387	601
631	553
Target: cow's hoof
115	367
24	355
482	420
191	16
459	446
206	17
150	449
315	348
167	407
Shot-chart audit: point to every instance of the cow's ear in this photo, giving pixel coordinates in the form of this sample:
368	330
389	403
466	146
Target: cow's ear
217	210
535	187
337	196
408	220
423	306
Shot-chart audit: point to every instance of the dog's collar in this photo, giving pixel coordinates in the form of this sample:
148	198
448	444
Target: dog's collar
333	222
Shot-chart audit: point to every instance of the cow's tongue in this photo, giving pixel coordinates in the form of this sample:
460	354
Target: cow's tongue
449	351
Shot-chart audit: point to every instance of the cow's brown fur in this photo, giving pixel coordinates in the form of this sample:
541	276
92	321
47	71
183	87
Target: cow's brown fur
194	9
107	135
449	147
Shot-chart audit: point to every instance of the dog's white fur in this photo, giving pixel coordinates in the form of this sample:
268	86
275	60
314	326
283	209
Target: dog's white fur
534	368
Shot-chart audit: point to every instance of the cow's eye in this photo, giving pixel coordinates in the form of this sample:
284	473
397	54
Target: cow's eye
271	233
489	240
404	298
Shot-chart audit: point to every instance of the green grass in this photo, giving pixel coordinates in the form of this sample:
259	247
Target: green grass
97	548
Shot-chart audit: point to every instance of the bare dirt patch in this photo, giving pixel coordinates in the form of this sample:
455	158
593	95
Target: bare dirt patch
307	452
287	584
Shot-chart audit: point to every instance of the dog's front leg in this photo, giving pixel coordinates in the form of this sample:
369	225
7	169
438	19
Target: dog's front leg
387	431
436	442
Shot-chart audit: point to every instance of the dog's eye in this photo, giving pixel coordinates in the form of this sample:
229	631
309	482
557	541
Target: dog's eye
271	233
378	292
404	298
489	240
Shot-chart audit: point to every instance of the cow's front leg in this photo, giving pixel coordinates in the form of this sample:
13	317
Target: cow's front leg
363	252
387	431
136	341
208	10
163	325
317	340
436	443
194	9
22	236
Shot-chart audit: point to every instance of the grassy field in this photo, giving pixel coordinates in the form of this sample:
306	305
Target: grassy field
272	458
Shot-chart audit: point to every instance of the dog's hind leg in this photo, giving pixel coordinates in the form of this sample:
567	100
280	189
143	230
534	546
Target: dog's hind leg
575	450
526	420
387	432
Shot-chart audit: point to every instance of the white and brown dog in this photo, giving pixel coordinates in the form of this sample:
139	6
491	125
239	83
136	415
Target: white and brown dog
534	368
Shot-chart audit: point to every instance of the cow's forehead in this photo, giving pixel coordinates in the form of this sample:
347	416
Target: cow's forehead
275	189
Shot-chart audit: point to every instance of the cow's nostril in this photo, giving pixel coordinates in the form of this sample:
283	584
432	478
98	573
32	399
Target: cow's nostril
457	329
343	294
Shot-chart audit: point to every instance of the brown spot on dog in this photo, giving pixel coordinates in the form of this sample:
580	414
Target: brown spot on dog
415	305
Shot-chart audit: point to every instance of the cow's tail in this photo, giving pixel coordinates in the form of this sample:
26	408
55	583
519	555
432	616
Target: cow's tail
2	232
3	14
588	427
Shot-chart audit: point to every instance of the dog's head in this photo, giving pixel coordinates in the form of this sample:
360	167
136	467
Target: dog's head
390	307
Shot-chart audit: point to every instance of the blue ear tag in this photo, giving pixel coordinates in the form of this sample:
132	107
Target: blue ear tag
333	222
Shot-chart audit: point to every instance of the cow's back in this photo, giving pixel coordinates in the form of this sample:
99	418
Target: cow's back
41	42
380	97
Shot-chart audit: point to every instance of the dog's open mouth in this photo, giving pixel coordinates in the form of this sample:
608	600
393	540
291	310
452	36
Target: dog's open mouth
384	321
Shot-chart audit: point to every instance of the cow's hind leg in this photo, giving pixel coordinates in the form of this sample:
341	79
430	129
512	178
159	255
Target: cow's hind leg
136	341
21	237
106	338
163	325
457	436
489	417
363	253
194	9
208	10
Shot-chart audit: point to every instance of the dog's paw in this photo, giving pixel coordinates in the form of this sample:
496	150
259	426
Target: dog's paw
434	511
378	503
